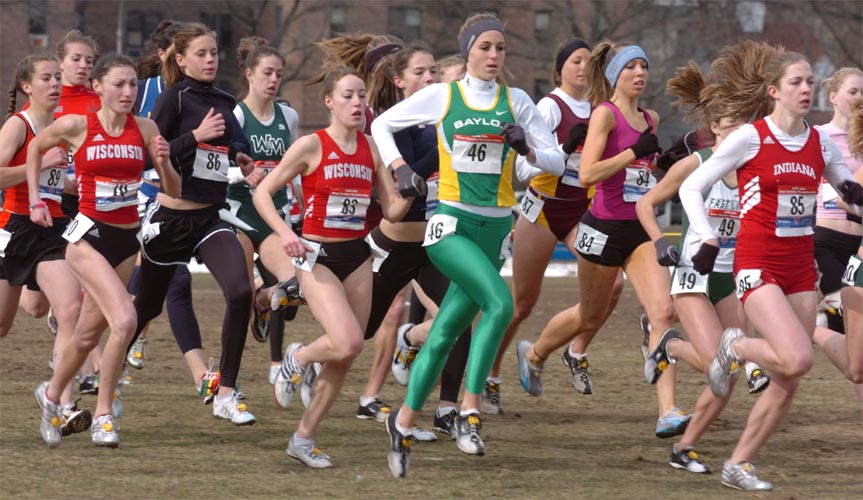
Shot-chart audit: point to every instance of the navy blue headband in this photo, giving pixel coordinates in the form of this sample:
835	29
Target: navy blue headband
471	34
377	54
567	51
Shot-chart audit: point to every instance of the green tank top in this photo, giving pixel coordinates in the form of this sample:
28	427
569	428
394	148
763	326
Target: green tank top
268	144
476	163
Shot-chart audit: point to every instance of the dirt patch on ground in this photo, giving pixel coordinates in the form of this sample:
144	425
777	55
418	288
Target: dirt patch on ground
562	445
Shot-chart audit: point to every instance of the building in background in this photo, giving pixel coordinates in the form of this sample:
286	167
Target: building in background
830	33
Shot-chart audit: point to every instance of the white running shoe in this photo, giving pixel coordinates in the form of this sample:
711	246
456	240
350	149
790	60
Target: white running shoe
51	420
306	390
309	455
274	370
104	432
289	378
230	408
135	358
404	356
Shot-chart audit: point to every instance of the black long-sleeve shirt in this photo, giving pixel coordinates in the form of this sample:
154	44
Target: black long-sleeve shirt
178	111
418	146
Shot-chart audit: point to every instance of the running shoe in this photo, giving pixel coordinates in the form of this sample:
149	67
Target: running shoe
399	456
306	390
117	403
308	454
644	323
290	377
580	376
756	378
742	477
74	419
404	356
89	384
287	293
52	321
530	376
51	416
687	459
104	432
135	358
274	370
726	364
260	323
445	424
490	399
468	439
658	359
209	385
230	408
376	410
423	436
673	423
125	378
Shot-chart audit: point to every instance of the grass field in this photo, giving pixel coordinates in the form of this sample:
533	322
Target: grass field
562	445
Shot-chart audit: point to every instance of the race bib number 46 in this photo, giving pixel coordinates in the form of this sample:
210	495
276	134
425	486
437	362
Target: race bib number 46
477	154
439	227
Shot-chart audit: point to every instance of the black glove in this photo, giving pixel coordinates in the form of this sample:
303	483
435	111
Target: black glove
410	184
514	136
704	259
852	192
666	253
667	159
576	137
646	144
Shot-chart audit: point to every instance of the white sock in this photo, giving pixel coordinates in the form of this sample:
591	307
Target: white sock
574	354
443	410
366	401
494	380
301	441
469	411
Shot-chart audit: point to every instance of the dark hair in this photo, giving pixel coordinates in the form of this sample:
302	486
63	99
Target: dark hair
249	53
75	36
24	73
383	92
171	72
161	38
108	61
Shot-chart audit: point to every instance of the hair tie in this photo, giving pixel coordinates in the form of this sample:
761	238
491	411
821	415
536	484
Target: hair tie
612	71
567	50
471	34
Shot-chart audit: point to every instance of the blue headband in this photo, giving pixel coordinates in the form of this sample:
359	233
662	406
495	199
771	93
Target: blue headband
612	71
471	34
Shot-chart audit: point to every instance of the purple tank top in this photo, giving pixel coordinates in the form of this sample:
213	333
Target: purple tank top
608	202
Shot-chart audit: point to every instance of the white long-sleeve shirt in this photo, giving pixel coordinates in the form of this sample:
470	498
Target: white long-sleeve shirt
738	148
428	106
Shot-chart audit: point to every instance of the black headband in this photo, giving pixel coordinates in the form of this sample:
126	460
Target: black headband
377	54
567	50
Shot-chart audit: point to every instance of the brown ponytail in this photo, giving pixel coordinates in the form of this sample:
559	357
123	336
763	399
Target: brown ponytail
171	72
24	73
599	90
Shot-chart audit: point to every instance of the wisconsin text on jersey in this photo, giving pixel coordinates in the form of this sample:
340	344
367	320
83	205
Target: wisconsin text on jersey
103	151
793	168
347	170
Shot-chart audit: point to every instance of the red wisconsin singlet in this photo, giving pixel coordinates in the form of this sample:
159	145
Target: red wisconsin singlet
16	198
778	190
338	192
108	170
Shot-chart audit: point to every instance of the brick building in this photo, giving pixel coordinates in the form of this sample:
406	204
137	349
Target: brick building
671	31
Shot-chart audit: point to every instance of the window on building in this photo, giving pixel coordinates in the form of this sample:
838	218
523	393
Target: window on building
38	24
221	24
405	23
338	20
542	21
139	25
